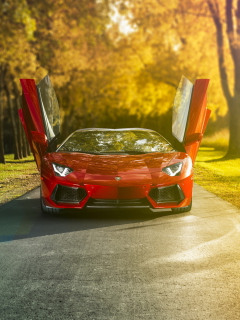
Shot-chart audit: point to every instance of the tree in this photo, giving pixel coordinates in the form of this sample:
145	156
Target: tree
17	57
232	25
102	75
2	158
170	41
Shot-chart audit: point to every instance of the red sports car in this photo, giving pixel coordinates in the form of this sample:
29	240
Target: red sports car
114	168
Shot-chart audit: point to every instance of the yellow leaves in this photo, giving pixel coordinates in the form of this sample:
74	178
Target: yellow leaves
102	73
22	15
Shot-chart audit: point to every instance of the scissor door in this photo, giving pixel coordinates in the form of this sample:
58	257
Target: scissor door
190	115
39	116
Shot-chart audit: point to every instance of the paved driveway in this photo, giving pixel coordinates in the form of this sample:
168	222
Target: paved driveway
120	265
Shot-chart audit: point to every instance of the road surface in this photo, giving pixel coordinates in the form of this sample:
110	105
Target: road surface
120	265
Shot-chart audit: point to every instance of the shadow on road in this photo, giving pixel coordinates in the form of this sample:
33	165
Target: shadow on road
22	218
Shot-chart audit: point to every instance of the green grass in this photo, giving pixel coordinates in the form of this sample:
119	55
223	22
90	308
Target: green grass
17	177
219	140
218	176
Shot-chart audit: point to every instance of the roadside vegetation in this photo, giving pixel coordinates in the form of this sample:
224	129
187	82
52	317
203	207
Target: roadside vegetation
118	63
216	174
17	177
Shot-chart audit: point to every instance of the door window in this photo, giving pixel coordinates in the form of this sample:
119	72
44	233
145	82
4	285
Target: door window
181	108
49	107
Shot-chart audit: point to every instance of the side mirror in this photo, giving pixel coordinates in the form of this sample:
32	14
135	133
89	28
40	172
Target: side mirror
39	137
193	138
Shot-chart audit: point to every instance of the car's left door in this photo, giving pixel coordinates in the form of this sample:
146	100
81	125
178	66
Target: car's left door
40	116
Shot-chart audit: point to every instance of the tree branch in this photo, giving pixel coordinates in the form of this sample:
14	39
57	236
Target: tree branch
229	18
238	17
230	28
234	39
214	9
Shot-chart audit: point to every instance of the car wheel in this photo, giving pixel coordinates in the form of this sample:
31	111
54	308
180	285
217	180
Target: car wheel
43	207
184	209
46	209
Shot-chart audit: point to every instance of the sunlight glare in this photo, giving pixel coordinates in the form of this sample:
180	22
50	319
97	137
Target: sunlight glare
122	20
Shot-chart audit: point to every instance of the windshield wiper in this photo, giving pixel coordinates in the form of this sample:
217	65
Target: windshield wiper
125	152
138	152
89	152
73	151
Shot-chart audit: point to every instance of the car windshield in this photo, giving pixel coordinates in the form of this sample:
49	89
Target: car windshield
111	142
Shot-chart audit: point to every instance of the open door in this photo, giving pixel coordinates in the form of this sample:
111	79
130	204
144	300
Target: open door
40	116
190	115
50	111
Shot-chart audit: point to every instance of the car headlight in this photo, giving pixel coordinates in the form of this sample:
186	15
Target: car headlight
61	170
173	169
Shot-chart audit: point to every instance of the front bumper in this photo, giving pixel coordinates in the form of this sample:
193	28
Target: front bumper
59	195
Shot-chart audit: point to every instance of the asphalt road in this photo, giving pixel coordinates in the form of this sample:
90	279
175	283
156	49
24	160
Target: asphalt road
120	265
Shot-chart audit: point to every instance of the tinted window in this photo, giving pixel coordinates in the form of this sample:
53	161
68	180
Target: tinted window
50	108
130	142
181	108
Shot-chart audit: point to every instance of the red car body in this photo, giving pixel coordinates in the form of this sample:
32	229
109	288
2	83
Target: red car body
114	180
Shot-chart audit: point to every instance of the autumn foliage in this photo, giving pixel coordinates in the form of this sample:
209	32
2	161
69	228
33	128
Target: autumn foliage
105	74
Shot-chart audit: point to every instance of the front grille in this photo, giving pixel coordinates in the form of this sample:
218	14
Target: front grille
112	203
167	194
68	194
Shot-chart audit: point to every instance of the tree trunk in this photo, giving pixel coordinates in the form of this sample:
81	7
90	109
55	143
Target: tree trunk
234	128
28	146
233	37
13	120
18	124
2	159
24	142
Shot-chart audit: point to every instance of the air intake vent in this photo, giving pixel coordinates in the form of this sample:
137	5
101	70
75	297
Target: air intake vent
68	194
167	194
108	203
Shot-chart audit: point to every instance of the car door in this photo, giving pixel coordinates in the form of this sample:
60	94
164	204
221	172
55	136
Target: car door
190	114
40	116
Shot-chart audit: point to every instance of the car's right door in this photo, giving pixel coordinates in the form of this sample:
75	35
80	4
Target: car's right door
190	115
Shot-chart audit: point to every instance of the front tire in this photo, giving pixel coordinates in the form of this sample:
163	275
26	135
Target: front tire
43	207
46	209
184	209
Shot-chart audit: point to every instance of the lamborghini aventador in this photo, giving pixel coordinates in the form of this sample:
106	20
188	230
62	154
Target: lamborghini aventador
114	168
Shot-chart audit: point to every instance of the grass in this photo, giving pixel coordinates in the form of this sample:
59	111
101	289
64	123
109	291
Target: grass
17	177
217	176
218	139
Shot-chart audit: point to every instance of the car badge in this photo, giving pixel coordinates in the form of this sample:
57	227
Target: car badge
118	178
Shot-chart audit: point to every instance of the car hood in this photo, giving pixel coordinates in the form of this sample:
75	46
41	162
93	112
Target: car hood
113	164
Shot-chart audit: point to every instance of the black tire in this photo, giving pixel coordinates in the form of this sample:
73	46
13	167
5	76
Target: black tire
46	209
184	209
